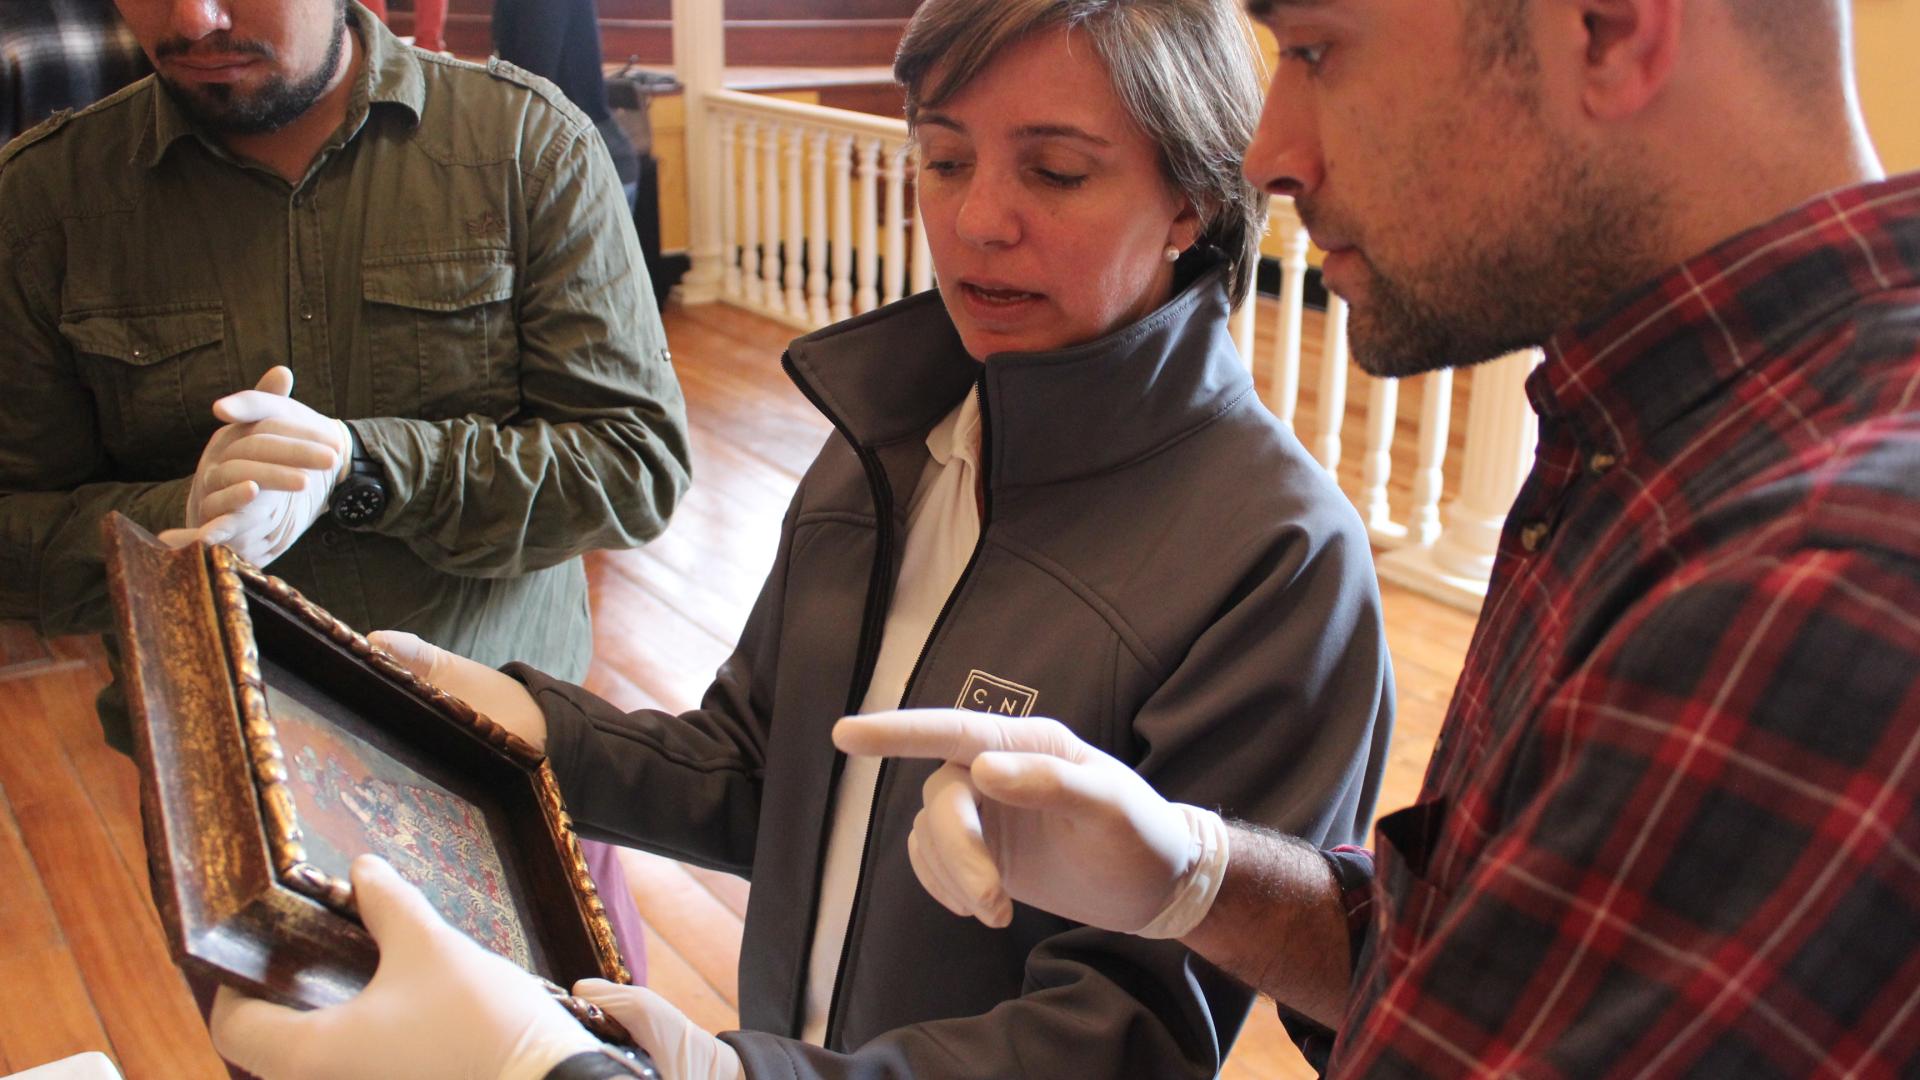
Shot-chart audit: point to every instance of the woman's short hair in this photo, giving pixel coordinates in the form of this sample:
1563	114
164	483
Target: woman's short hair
1187	71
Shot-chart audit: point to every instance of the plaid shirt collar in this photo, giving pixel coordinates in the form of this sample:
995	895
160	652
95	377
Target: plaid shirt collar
1664	347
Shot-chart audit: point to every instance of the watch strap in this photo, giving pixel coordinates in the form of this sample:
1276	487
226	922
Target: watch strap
602	1063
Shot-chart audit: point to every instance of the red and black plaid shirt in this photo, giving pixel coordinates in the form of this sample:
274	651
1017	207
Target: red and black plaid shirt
1672	825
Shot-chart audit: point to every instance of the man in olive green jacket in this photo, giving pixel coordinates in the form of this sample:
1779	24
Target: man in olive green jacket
440	254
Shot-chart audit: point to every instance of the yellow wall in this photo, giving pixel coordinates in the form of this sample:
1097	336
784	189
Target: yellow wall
1887	47
1887	43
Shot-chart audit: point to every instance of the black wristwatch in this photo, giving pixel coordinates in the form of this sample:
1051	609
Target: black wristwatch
361	496
606	1063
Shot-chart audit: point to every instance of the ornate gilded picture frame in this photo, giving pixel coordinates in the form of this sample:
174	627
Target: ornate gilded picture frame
275	744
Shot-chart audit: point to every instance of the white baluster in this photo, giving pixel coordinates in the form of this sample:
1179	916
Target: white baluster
841	290
770	207
1436	412
796	227
700	61
1243	327
1333	386
866	297
1284	393
922	264
750	215
817	227
895	223
725	127
1501	430
1383	406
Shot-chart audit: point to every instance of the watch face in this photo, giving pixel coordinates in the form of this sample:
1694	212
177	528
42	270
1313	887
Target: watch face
358	500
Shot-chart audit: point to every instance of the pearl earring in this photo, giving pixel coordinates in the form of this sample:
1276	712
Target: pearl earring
1172	254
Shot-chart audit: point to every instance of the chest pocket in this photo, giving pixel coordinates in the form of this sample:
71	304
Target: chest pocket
155	373
440	337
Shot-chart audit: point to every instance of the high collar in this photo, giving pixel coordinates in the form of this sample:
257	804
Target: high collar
390	74
1664	347
888	376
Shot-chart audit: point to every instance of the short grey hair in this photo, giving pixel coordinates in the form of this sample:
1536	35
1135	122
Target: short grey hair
1187	71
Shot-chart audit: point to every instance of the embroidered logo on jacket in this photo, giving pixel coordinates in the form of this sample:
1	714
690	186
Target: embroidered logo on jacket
992	694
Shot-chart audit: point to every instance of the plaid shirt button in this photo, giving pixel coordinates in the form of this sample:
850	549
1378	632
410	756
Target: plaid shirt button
1532	536
1601	461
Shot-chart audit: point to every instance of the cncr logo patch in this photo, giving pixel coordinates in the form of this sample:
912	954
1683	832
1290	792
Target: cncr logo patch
992	694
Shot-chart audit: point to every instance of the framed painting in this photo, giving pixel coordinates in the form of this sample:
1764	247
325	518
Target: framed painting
275	744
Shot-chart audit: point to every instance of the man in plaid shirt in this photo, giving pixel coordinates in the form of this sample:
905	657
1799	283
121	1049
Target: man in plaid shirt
1672	823
61	54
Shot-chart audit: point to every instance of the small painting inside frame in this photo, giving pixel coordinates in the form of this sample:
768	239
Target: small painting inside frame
275	744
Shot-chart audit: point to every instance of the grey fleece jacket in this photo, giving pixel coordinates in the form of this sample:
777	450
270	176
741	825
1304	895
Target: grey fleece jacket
1161	566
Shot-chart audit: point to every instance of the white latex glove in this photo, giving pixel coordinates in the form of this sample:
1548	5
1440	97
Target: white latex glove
1023	810
439	1005
680	1049
265	475
502	698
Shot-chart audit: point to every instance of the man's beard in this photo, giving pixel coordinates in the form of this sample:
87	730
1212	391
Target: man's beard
277	103
1517	280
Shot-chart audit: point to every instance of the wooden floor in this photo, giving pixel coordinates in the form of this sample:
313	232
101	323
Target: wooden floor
82	963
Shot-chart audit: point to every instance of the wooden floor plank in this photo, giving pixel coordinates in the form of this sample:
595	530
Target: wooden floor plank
108	922
40	983
702	929
726	888
672	977
648	642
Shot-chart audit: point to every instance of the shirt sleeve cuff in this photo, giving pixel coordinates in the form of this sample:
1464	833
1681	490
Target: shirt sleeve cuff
1353	875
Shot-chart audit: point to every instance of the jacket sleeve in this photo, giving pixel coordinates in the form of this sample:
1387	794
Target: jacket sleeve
1279	714
52	462
597	455
687	785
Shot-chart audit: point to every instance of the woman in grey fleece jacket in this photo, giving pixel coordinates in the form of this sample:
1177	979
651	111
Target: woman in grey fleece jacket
1157	562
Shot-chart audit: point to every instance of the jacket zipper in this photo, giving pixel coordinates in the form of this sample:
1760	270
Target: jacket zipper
880	777
867	655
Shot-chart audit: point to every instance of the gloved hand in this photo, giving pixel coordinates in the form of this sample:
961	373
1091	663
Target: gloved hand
265	475
501	697
678	1046
1023	810
439	1005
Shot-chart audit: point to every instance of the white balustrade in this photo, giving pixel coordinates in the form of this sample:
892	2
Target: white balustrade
920	278
817	228
823	221
796	227
1501	432
1333	386
755	294
840	294
770	222
1243	328
868	296
1436	410
1284	393
726	130
830	235
1383	409
894	223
